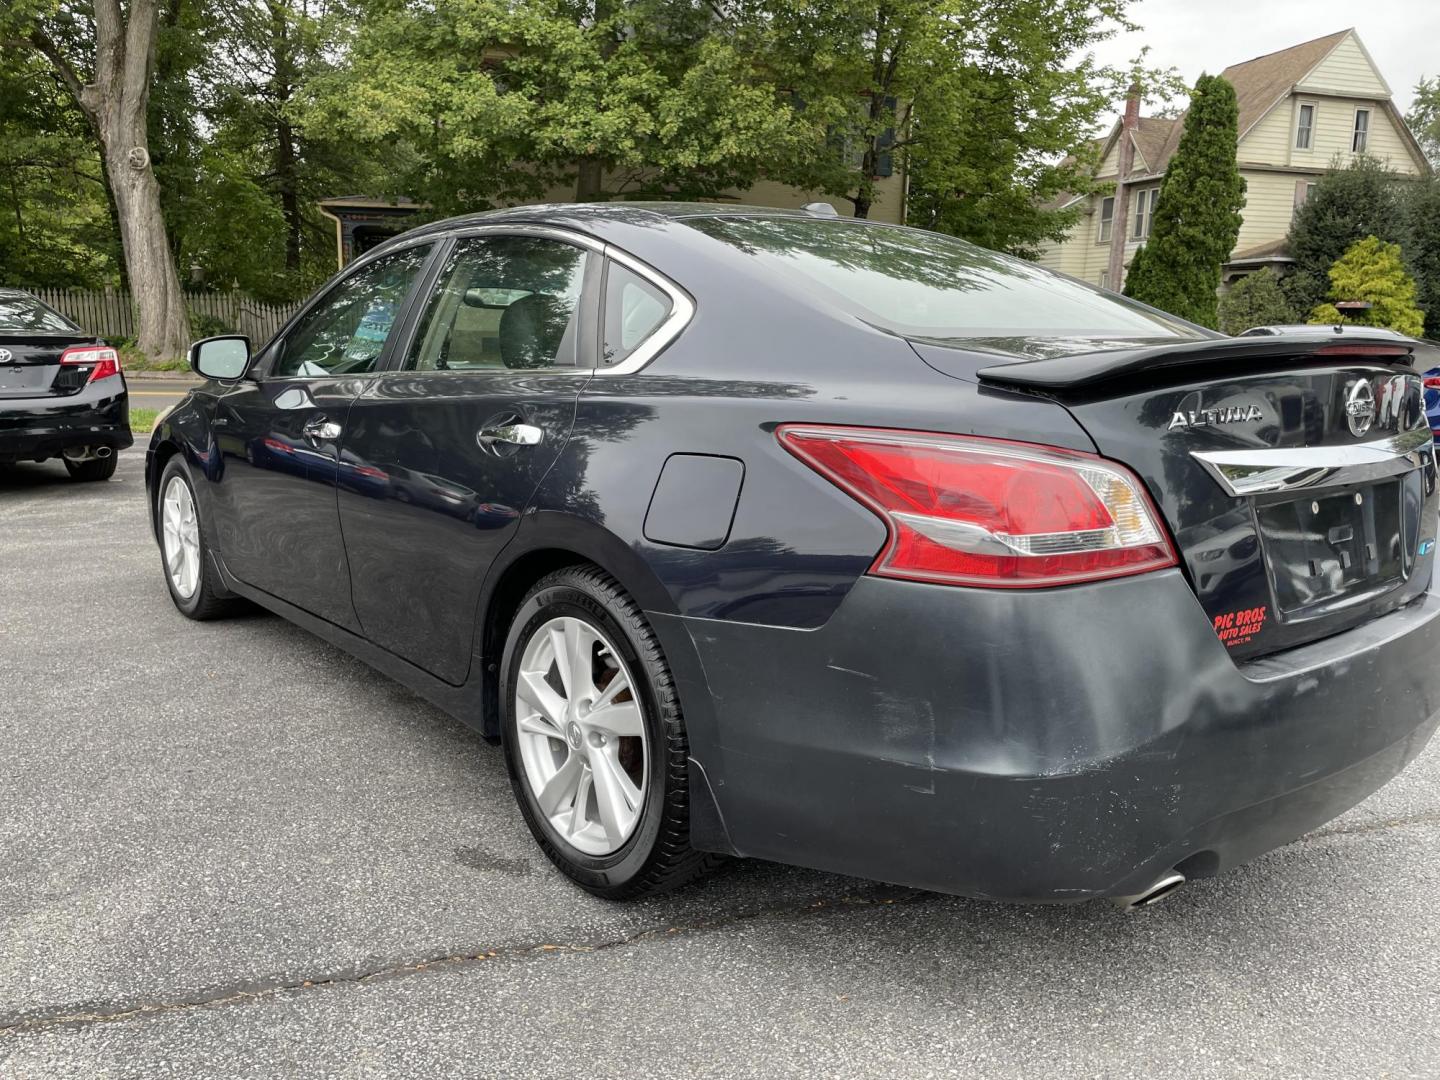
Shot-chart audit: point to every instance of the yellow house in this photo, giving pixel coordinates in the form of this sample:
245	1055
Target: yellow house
1301	110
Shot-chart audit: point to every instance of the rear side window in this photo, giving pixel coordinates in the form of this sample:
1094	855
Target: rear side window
30	316
634	309
931	286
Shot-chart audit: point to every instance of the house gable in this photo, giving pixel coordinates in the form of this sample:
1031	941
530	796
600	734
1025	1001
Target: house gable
1347	69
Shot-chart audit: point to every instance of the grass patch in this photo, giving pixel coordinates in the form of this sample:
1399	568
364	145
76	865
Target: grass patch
142	421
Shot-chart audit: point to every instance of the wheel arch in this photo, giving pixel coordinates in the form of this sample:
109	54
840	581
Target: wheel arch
546	542
551	540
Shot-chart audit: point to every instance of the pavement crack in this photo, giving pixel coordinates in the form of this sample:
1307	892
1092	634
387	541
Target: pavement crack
234	994
1431	817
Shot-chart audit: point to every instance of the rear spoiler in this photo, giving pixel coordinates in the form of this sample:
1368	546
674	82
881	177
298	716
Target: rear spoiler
1084	370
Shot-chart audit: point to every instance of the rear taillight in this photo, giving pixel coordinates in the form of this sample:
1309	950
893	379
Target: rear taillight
106	360
971	511
1432	382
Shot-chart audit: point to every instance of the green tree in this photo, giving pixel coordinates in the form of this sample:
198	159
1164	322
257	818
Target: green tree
1255	300
55	226
983	101
102	54
1347	205
1422	245
1197	217
1373	270
477	102
1423	118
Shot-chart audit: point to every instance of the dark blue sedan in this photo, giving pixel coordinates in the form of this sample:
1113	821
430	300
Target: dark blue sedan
775	534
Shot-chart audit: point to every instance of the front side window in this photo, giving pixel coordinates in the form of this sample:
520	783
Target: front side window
634	309
1144	212
504	302
346	331
930	286
1362	131
1107	218
1305	128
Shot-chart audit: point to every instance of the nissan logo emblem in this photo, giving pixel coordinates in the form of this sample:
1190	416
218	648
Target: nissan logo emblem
1359	406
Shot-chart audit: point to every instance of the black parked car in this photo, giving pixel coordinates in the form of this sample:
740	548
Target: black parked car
61	391
840	544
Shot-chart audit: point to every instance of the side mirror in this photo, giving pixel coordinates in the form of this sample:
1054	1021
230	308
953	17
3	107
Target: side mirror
225	358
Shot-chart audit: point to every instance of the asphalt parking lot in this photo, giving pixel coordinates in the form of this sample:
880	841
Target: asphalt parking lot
229	850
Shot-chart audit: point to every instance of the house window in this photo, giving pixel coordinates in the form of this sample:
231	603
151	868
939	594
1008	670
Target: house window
1104	279
1305	128
1303	190
1362	130
1107	218
1144	212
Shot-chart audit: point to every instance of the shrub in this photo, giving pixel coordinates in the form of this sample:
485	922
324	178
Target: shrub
1255	300
1373	270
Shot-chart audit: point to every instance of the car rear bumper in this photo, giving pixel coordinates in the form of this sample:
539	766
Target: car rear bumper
98	415
1045	745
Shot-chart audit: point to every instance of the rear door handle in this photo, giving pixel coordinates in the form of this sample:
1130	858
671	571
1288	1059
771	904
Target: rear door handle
515	434
320	430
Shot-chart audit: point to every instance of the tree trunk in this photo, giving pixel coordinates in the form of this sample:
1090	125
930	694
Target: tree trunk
287	180
162	322
588	181
115	102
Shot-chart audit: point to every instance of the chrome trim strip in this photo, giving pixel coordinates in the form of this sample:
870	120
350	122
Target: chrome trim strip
1260	472
682	307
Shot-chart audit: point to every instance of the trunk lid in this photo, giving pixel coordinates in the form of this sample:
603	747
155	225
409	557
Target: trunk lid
33	367
1297	476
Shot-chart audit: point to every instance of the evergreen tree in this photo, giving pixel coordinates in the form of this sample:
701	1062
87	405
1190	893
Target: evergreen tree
1255	300
1197	217
1373	270
1422	246
1346	206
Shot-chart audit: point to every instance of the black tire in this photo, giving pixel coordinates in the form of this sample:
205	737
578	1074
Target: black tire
210	600
94	469
657	855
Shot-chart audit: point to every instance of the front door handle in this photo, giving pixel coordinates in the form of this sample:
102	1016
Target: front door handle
320	430
515	434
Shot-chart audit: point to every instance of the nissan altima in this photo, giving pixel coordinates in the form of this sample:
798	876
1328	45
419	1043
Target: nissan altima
775	534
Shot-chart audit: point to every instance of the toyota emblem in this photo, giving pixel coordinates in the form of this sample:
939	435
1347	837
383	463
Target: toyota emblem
6	356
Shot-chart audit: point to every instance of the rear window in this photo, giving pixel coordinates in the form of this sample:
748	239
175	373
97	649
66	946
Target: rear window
934	287
26	314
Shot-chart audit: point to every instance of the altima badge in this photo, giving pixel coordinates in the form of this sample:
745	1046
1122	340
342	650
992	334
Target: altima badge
1233	414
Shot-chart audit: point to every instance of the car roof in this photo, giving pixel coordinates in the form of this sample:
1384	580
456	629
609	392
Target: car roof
636	214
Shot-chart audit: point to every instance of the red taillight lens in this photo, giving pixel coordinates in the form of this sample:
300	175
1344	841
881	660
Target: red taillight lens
105	359
971	511
1432	382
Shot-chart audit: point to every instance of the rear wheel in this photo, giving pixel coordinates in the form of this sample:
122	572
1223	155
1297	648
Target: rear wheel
594	739
190	573
94	469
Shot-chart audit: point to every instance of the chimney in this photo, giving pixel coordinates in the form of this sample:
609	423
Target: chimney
1120	229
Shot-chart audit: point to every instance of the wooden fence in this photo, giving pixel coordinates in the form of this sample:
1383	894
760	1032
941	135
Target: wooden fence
109	313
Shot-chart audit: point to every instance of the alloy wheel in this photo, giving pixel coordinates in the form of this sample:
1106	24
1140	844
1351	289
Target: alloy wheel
180	531
582	735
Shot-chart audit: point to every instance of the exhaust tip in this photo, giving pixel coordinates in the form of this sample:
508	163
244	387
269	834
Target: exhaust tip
103	451
1157	891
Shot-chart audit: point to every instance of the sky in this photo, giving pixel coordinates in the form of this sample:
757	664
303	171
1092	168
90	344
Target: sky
1196	36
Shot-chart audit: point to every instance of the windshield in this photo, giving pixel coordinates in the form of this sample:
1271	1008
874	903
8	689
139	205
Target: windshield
934	287
25	313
